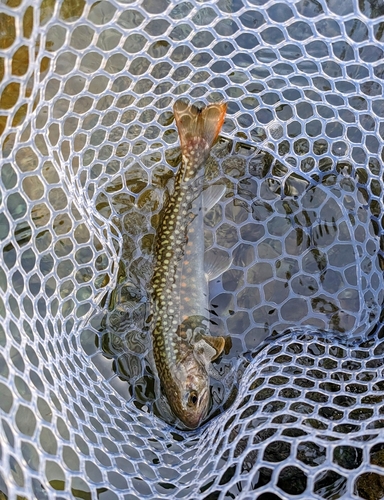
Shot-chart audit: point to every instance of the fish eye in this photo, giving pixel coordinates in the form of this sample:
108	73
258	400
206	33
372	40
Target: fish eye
192	398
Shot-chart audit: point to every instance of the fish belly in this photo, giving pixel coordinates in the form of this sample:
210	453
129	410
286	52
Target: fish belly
193	281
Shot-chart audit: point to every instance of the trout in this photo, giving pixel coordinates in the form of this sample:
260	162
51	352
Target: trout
182	346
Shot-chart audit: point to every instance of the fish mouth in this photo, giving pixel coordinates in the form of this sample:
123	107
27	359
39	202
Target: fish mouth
195	422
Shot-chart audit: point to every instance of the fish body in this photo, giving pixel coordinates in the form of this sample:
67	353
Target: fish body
182	346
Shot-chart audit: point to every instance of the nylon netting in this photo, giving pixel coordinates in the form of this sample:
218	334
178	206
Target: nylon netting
89	150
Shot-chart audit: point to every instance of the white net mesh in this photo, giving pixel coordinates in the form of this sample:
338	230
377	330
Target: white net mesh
88	150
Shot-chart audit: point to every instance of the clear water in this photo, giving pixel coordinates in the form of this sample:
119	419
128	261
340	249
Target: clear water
296	241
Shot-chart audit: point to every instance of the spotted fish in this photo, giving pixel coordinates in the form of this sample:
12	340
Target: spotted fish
182	346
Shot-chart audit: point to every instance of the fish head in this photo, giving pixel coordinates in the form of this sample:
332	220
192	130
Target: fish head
191	398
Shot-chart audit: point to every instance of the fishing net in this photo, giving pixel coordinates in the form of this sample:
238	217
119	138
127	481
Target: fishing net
89	152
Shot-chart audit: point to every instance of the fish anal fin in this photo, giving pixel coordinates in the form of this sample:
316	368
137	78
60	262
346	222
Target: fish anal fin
211	195
216	262
198	128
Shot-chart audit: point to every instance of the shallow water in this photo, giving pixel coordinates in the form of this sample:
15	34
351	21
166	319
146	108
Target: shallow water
303	248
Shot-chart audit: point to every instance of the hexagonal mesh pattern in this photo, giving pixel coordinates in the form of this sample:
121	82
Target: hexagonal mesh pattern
89	150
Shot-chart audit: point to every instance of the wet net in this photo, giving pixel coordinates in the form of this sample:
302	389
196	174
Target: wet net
89	151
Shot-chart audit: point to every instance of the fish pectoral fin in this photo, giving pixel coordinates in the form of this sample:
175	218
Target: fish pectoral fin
216	262
211	195
209	348
227	345
217	343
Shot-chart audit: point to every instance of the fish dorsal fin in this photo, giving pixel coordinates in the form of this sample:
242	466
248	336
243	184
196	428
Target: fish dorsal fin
198	128
216	262
212	195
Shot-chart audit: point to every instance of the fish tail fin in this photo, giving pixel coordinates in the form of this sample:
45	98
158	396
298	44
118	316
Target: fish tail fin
198	128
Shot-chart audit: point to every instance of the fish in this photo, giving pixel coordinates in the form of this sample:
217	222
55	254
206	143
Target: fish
183	348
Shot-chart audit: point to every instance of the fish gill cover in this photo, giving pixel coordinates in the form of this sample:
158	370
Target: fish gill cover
89	156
